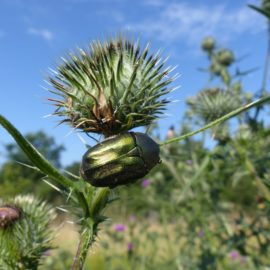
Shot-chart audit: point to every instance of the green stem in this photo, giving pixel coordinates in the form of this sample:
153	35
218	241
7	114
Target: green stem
265	70
99	201
218	121
267	62
87	238
89	232
171	167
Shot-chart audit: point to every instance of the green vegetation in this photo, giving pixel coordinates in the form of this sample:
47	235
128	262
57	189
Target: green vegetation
17	170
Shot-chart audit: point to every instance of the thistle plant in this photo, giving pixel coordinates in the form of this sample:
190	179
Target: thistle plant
212	103
111	88
108	89
215	101
24	232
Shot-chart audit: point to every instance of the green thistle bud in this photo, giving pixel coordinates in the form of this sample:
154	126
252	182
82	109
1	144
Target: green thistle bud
225	57
208	44
8	215
120	160
111	87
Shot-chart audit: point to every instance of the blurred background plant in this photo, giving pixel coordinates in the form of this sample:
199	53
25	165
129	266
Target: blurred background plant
15	171
205	207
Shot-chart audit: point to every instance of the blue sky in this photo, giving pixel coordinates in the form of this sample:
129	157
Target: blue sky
35	34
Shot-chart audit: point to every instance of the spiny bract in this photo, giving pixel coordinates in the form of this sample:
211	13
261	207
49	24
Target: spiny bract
212	103
111	87
25	234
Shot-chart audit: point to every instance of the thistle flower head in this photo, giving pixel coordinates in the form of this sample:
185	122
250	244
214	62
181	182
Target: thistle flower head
234	255
130	246
119	227
110	87
212	103
225	57
145	183
24	232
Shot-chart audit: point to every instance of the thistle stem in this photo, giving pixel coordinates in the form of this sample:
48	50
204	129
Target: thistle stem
90	228
219	120
267	62
87	238
265	70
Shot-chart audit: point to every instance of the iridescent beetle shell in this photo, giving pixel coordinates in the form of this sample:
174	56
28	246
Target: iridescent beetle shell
120	160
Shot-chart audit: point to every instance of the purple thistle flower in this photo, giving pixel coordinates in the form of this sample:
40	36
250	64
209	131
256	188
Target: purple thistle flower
145	183
201	233
234	255
119	227
47	253
189	162
132	218
130	246
243	260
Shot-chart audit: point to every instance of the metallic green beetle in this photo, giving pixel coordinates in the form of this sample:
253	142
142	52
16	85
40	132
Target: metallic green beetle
120	160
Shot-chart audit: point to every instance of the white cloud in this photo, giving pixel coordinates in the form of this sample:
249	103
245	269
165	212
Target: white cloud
191	23
43	33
